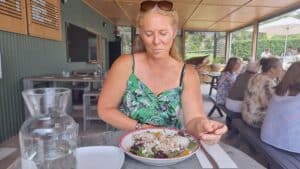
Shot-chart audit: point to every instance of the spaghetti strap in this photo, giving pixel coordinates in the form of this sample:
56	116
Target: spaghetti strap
133	63
181	75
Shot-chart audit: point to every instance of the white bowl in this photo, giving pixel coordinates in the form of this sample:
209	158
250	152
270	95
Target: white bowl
127	141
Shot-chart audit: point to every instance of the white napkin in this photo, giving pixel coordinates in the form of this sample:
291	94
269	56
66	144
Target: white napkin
204	162
218	154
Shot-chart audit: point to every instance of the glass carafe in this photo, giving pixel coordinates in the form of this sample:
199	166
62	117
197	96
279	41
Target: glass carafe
49	138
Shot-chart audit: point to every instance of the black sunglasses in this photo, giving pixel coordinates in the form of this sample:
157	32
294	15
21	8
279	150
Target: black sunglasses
163	5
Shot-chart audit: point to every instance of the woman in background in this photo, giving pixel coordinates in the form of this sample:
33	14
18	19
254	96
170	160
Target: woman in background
259	91
235	98
281	126
227	79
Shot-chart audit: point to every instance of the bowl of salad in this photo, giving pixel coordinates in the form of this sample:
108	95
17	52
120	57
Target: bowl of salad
159	146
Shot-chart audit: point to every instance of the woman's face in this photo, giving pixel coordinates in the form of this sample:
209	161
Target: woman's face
157	33
237	66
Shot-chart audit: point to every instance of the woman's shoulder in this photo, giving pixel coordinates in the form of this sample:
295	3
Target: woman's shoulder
190	70
123	60
122	65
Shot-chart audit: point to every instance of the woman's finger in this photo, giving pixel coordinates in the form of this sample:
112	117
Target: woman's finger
210	137
221	131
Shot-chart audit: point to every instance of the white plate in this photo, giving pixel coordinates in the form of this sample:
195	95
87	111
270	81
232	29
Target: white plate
96	157
127	141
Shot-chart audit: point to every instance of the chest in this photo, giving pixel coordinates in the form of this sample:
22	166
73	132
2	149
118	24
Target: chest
158	82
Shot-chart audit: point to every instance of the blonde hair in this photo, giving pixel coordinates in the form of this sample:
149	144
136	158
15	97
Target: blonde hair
138	46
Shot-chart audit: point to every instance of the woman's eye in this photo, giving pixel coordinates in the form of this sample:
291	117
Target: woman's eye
163	33
148	33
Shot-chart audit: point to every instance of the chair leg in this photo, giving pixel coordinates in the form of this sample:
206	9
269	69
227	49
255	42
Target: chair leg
219	111
211	111
228	122
84	112
210	91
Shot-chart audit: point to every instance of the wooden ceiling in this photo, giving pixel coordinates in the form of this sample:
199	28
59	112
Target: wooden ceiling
202	15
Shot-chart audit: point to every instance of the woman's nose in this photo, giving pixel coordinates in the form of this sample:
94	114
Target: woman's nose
156	40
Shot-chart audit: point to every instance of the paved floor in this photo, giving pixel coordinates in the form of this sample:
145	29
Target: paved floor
99	126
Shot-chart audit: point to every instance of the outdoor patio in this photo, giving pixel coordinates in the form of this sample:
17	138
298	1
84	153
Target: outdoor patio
73	44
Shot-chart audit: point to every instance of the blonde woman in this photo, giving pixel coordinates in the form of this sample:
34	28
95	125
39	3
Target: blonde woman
154	86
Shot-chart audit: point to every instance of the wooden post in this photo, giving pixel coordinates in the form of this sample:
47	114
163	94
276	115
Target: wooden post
254	40
215	45
228	46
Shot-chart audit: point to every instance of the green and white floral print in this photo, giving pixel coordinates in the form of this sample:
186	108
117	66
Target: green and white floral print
141	104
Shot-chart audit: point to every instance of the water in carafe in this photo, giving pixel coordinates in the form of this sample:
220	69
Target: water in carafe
49	138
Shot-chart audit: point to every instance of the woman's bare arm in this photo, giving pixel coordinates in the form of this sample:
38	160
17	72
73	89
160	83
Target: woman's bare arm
112	92
192	100
196	121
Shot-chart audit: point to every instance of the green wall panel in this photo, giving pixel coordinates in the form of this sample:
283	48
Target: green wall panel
24	55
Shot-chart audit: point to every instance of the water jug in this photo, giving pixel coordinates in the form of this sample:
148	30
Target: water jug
49	138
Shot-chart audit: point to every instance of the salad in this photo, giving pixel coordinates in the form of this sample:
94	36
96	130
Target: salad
162	144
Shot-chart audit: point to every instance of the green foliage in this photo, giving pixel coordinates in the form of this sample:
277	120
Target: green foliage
219	59
242	48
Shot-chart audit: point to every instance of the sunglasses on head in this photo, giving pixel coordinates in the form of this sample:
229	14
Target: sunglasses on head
163	5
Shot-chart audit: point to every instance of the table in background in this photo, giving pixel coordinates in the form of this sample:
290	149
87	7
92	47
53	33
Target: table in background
29	82
214	80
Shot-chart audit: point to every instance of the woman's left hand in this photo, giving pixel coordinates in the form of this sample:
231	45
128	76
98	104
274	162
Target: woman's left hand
210	131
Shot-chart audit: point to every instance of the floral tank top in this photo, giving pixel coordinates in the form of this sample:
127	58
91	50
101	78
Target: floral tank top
141	104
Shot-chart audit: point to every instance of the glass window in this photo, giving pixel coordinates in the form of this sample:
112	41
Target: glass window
199	44
241	43
280	36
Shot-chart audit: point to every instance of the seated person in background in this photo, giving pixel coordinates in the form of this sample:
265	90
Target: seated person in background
266	53
227	78
154	87
235	97
289	51
281	127
259	91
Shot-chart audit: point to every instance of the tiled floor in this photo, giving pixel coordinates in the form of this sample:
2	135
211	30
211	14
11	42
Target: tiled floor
99	126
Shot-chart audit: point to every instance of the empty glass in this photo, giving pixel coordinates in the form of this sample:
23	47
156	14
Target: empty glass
49	138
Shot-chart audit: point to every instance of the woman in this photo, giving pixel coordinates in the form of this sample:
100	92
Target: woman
154	85
281	126
260	90
235	97
227	79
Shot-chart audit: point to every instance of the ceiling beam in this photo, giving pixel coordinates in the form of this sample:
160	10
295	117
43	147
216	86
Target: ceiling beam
188	18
